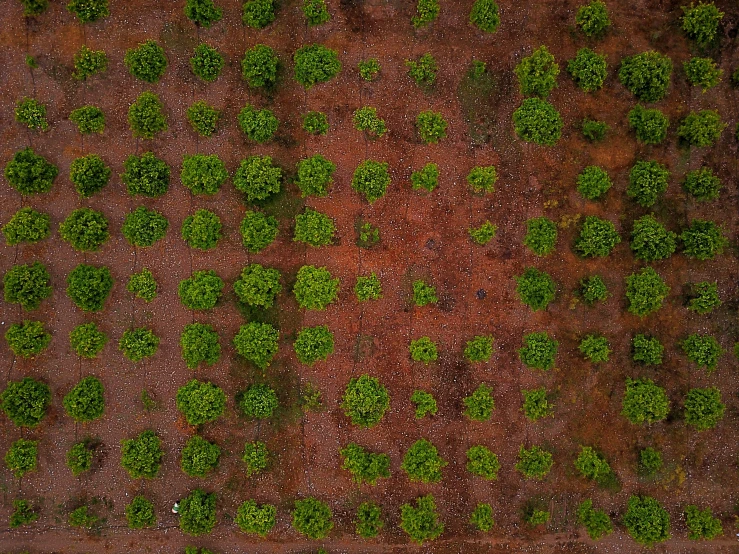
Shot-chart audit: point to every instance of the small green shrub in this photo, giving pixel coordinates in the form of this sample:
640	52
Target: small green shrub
593	182
702	184
535	516
369	69
202	230
314	228
29	173
481	461
315	123
23	514
85	230
255	457
200	344
89	11
484	233
142	455
86	401
484	15
310	398
650	461
535	288
316	12
422	462
646	520
369	520
593	465
423	350
32	113
259	67
536	405
588	70
423	70
650	241
314	288
647	181
34	7
203	13
258	231
480	404
482	518
537	121
427	10
479	349
89	287
534	463
89	119
594	131
256	519
258	125
87	340
537	73
146	62
201	291
368	288
257	178
312	518
146	175
313	344
703	350
259	401
593	19
369	235
371	178
541	235
644	402
645	291
422	523
426	179
89	62
199	457
198	513
207	62
315	175
140	513
364	466
593	289
257	14
482	179
423	294
145	116
703	408
650	124
203	118
201	402
595	348
25	401
597	239
646	350
703	240
89	174
138	343
425	403
705	297
431	126
539	351
596	522
26	225
83	518
203	173
365	401
701	129
258	343
701	523
700	22
366	119
142	285
646	75
27	285
27	339
22	457
315	64
702	72
258	286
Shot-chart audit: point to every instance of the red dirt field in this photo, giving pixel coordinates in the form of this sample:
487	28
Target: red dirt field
421	236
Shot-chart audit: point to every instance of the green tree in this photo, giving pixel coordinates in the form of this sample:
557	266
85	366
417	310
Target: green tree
701	21
703	240
423	350
22	457
89	119
87	340
86	401
481	179
421	522
369	520
314	228
592	19
27	285
702	184
146	62
482	518
701	523
258	343
315	175
25	402
258	286
650	125
541	235
143	285
202	230
534	463
423	70
203	13
650	241
29	173
646	291
705	297
701	129
312	518
536	405
203	118
201	402
201	291
257	178
255	457
314	287
145	116
89	174
256	519
142	455
27	225
703	408
198	513
89	287
313	344
368	288
140	513
371	179
537	73
85	230
537	121
480	404
596	522
644	402
593	289
702	72
538	351
259	401
588	69
146	175
365	401
535	288
200	344
595	348
203	173
89	11
484	15
646	520
593	182
483	462
647	350
27	339
199	457
597	239
364	466
314	64
423	463
425	403
258	125
32	113
138	343
646	75
431	126
479	349
258	231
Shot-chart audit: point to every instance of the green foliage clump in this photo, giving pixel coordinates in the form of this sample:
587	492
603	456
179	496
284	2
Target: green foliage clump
89	11
596	522
422	462
646	75
89	174
650	125
701	128
256	519
647	180
431	126
146	62
203	13
313	344
200	344
32	113
257	14
595	348
207	62
258	178
140	513
646	520
29	173
259	401
593	182
314	288
88	62
87	340
369	69
481	461
255	457
82	517
368	235
368	288
142	285
142	456
203	173
315	64
316	12
593	19
258	125
79	457
85	230
89	287
541	235
315	123
369	520
484	233
700	22
423	70
22	457
314	228
537	121
482	517
199	457
650	241
145	116
536	405
25	401
27	285
703	408
594	131
588	70
421	523
593	465
26	225
426	178
537	73
535	516
203	118
202	230
479	349
425	403
201	291
597	239
427	11
258	343
198	513
258	231
539	351
201	402
480	404
315	175
366	119
703	350
312	518
702	184
481	179
34	7
258	286
86	401
701	523
365	401
89	119
365	466
138	343
703	240
423	350
27	339
702	72
650	461
705	297
259	67
23	514
646	291
534	463
644	402
371	178
484	15
647	350
423	294
593	289
535	288
146	175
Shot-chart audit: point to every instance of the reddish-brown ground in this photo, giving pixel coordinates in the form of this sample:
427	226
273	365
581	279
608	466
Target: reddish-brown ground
421	236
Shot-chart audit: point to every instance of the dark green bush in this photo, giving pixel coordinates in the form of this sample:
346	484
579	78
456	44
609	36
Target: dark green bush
23	514
27	285
146	62
198	513
368	234
256	519
203	12
646	350
258	343
79	457
650	461
202	230
480	404
484	233
89	119
32	113
700	22
650	124
34	7
25	401
258	231
145	116
316	12
541	235
81	517
314	228
369	520
481	179
89	287
702	184
312	518
26	225
701	128
422	522
258	125
258	13
703	408
423	294
366	119
203	173
258	286
425	403
647	181
431	126
535	288
536	405
315	123
427	10
482	518
593	465
85	230
203	118
255	457
86	401
369	69
315	64
142	455
89	62
588	70
146	175
479	349
593	19
423	70
22	457
313	344
703	350
201	291
143	227
702	72
596	522
199	343
371	178
368	288
365	401
598	237
537	73
143	285
29	173
138	343
484	15
89	11
365	466
27	339
593	130
314	288
87	340
422	462
703	240
646	75
644	402
650	241
89	174
701	523
423	350
646	520
140	513
315	175
534	463
593	182
426	178
201	402
593	289
481	461
595	348
257	178
705	297
259	66
207	62
646	291
537	121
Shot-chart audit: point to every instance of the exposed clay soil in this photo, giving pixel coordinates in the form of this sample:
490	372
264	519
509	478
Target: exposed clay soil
421	236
